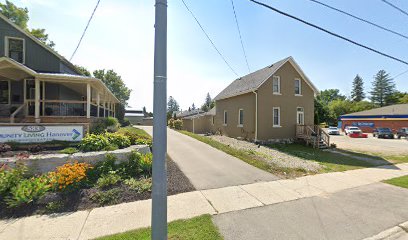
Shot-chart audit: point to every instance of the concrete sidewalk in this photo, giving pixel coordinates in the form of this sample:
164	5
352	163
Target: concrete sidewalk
207	167
127	216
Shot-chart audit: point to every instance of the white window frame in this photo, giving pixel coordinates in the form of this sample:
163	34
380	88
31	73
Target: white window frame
279	85
225	116
300	87
273	117
239	117
297	115
9	92
6	46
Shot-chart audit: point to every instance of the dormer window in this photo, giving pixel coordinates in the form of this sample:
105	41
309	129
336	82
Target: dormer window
15	49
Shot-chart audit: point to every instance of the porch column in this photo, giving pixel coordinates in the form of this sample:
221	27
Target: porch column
37	101
88	100
104	108
98	102
114	110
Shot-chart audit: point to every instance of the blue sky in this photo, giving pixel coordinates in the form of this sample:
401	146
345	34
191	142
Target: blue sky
121	37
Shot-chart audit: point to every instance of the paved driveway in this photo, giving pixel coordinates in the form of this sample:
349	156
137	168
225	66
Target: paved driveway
370	144
207	167
350	214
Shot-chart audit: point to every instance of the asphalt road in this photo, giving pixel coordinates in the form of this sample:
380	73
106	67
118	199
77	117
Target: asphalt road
350	214
207	167
370	144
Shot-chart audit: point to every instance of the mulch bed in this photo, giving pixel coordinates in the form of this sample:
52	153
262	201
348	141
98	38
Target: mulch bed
80	200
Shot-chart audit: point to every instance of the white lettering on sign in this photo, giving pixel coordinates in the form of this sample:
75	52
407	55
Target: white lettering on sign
27	134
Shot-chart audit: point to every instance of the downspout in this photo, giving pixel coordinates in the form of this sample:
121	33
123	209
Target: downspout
256	116
193	126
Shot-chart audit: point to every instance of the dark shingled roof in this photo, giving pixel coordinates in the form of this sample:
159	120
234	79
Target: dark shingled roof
399	109
249	82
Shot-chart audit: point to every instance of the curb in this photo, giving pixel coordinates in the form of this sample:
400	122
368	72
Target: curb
394	233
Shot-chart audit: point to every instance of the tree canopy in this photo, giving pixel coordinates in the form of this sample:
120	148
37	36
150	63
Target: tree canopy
357	93
19	16
208	103
172	106
115	84
383	88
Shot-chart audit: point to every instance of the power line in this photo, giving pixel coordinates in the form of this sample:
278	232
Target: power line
86	28
329	32
240	37
398	75
396	7
208	37
361	19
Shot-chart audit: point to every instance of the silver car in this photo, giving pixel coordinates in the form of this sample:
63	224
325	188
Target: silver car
333	131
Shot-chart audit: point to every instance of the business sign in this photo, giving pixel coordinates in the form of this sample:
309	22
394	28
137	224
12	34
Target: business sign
40	133
363	124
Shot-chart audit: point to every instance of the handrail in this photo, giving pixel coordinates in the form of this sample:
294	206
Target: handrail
312	134
13	115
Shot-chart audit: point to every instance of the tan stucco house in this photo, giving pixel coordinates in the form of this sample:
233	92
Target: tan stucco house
265	105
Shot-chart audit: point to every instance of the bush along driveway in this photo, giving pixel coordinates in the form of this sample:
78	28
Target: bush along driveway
286	160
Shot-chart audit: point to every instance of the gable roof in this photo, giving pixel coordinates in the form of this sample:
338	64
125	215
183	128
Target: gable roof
253	81
398	109
29	35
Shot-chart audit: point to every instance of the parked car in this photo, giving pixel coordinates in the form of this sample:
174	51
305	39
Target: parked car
402	132
383	133
333	131
351	129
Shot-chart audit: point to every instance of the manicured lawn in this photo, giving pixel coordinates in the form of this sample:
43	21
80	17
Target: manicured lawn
399	181
134	130
331	162
198	228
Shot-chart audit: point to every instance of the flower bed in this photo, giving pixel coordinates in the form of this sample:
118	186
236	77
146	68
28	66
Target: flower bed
77	186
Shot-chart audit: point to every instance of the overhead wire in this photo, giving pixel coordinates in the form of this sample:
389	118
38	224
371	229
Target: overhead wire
86	28
329	32
360	19
396	7
209	39
240	36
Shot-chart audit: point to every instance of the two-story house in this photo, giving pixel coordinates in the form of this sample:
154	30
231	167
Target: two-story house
38	85
265	105
42	85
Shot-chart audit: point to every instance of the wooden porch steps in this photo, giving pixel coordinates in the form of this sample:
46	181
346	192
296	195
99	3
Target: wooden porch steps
313	135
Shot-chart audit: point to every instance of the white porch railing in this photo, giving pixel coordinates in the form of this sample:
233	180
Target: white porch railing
13	115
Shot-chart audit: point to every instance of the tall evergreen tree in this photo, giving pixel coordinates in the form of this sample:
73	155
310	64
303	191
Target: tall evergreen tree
357	93
383	88
172	105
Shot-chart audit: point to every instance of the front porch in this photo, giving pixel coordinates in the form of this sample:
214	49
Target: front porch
30	97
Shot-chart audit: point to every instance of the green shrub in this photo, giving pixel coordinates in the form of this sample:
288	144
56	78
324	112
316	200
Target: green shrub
145	164
69	150
27	191
125	122
178	124
170	123
111	147
93	142
131	168
108	180
98	127
106	197
10	178
112	124
118	139
56	206
140	186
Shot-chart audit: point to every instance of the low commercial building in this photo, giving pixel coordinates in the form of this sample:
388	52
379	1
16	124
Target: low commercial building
134	116
394	117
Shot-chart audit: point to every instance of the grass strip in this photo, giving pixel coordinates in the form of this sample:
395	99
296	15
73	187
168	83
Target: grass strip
198	228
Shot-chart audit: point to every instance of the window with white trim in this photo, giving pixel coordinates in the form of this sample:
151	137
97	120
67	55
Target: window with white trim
276	116
298	87
241	117
276	84
225	118
15	49
4	92
300	114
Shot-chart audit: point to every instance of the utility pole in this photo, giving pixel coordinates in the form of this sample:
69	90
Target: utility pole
159	189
